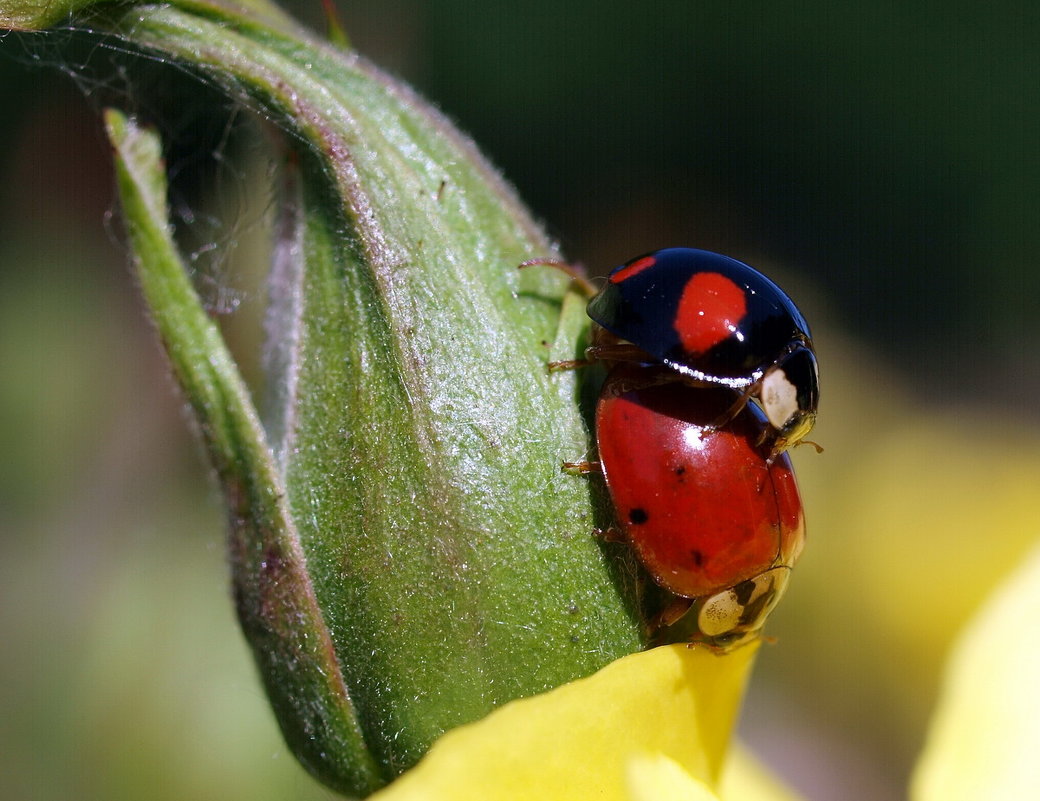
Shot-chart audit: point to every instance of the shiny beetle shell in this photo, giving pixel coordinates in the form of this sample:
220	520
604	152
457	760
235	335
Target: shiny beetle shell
706	510
717	321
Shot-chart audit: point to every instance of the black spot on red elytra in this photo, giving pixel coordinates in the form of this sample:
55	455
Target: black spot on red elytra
638	516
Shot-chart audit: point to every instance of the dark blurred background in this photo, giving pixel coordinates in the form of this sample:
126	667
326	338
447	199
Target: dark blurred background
879	159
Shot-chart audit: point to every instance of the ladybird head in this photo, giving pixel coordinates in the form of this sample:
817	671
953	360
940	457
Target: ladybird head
789	393
731	617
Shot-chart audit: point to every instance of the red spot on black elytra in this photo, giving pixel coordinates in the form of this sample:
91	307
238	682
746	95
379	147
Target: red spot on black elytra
709	311
632	268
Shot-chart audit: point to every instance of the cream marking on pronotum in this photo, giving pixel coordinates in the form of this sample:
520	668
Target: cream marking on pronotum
779	398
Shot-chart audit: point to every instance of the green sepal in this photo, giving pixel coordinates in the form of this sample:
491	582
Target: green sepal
415	434
274	595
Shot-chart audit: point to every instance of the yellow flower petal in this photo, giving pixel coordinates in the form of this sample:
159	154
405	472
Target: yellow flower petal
985	738
585	739
744	778
658	778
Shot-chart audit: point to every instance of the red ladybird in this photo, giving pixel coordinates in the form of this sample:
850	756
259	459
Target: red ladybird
711	516
717	322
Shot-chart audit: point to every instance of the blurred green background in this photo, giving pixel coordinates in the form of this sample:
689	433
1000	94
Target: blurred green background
879	159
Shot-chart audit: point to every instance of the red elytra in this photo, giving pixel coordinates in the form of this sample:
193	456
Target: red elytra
704	508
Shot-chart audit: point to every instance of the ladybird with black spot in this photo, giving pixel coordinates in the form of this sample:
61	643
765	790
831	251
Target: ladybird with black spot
714	518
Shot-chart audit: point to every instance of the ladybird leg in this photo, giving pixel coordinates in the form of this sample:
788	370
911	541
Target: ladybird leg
732	412
582	468
781	444
670	615
720	649
612	352
575	271
616	352
568	364
609	534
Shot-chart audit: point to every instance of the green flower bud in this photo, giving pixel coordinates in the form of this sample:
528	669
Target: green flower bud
406	554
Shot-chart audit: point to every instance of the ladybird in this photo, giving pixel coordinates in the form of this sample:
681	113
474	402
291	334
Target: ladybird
717	322
711	514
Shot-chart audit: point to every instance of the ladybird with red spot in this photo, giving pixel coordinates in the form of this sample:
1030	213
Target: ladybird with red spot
715	321
711	514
